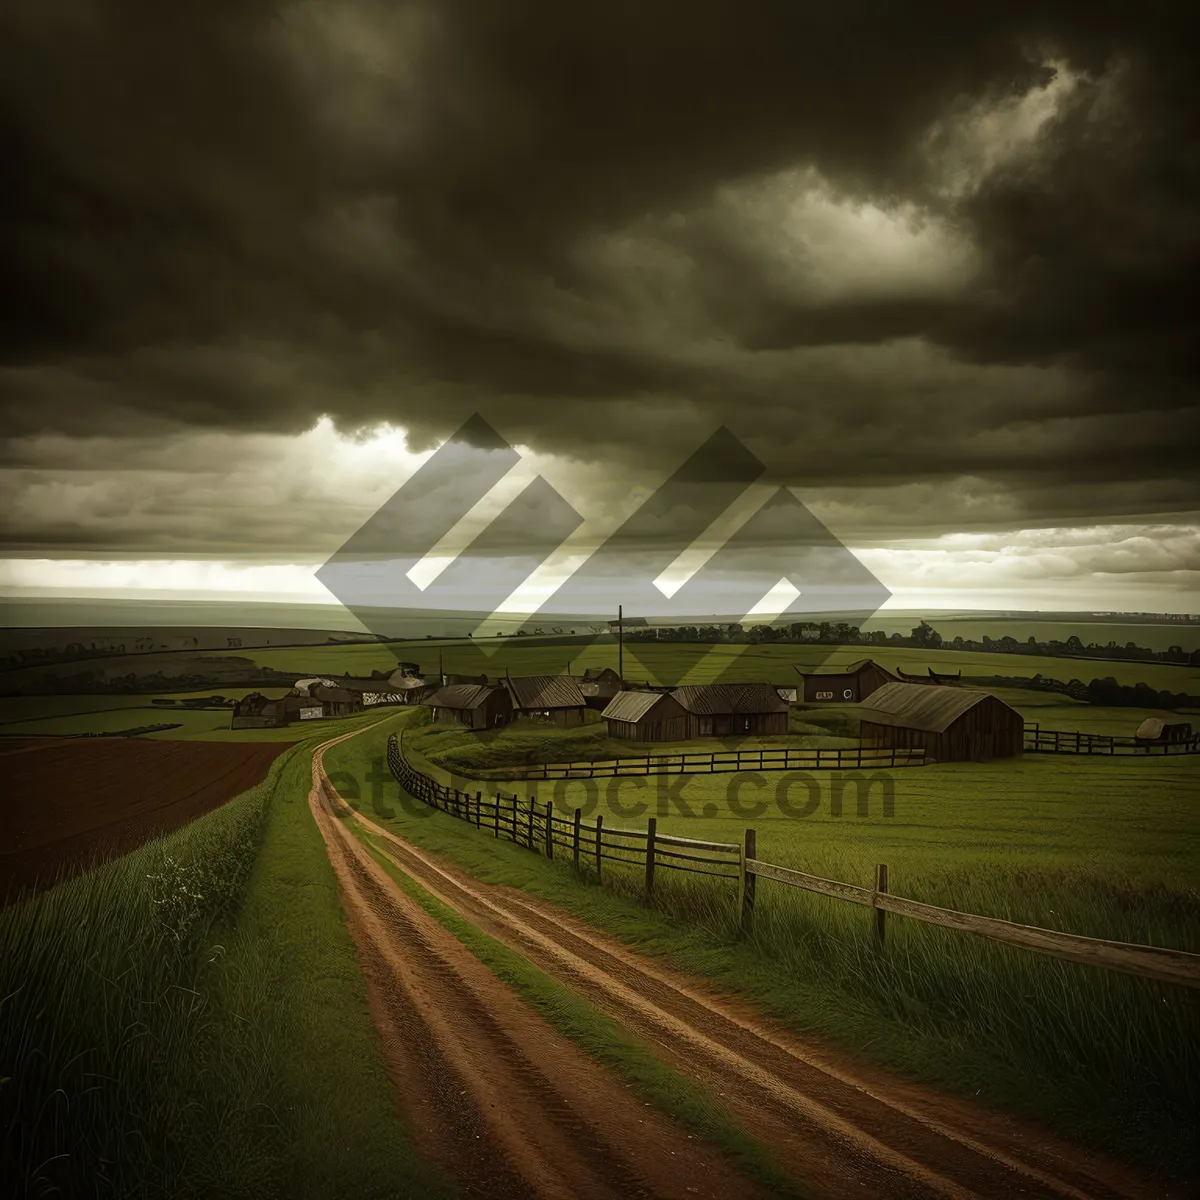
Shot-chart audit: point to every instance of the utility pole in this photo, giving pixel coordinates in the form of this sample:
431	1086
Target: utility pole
621	640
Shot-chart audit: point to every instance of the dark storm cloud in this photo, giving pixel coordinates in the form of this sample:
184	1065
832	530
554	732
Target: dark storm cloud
242	215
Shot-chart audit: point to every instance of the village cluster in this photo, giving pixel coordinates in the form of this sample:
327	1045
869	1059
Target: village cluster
895	709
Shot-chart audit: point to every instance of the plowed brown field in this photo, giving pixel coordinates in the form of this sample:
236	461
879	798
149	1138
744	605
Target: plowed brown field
69	803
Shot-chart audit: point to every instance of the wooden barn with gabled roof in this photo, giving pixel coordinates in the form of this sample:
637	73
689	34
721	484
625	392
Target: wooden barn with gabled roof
476	705
553	698
336	701
949	724
732	709
844	685
646	717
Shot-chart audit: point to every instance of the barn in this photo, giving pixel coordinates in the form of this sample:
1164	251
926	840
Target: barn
732	709
950	724
646	717
256	711
553	698
374	691
846	685
476	705
599	685
335	701
414	689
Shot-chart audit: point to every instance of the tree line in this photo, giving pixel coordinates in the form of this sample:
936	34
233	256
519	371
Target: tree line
923	637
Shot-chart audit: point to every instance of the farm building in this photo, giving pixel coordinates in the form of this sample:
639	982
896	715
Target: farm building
725	709
646	717
950	724
553	698
476	705
374	692
1154	729
931	677
846	685
414	688
599	685
335	701
255	711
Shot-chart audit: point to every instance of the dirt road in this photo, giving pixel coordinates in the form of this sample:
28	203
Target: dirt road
840	1130
502	1101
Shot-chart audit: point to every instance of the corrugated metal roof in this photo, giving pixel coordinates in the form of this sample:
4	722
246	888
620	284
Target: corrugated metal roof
545	691
720	699
919	706
630	706
459	696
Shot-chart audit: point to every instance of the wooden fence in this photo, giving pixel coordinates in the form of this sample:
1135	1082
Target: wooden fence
1064	741
592	844
537	827
719	762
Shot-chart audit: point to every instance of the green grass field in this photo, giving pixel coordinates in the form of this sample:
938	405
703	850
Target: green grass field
81	714
668	662
1160	635
1106	848
191	1020
1131	817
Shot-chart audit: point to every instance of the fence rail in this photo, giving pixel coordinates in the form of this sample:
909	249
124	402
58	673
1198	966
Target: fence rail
536	826
719	762
1066	741
540	829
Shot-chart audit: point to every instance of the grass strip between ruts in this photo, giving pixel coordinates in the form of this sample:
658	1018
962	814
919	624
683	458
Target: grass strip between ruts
600	1037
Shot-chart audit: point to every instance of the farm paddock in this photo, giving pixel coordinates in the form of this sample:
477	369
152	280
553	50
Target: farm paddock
69	802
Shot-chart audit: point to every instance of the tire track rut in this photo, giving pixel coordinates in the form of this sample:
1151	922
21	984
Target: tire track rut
503	1102
842	1130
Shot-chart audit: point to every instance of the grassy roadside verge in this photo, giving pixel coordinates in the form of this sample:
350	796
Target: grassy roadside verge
1038	1037
190	1020
599	1036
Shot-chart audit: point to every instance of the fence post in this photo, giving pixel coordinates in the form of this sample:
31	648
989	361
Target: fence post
532	801
599	826
881	887
575	838
746	886
651	827
478	808
496	814
549	828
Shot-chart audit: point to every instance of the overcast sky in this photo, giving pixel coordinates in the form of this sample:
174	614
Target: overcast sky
931	262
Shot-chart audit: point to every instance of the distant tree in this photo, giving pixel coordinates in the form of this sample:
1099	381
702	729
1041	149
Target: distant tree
925	636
